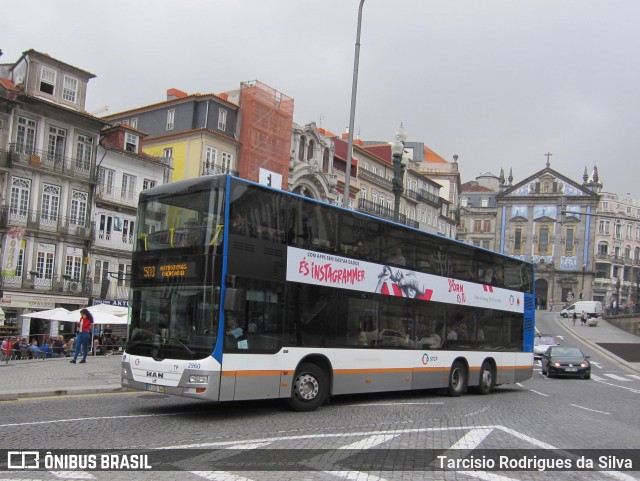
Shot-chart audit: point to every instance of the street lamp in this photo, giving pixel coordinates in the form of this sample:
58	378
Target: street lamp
352	114
399	164
584	268
617	295
637	288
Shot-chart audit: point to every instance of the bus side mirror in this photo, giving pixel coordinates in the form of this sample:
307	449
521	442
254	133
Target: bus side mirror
233	299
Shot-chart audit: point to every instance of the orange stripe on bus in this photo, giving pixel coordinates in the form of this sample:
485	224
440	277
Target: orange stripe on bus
362	371
250	373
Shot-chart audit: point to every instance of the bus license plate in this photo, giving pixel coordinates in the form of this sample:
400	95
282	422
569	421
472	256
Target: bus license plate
569	369
154	388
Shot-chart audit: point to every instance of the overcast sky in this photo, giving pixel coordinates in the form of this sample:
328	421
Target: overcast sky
498	82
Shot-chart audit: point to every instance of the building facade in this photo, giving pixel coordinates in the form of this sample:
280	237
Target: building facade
197	133
47	169
123	170
617	251
548	219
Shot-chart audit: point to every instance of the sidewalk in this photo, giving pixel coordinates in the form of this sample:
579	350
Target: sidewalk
55	377
617	344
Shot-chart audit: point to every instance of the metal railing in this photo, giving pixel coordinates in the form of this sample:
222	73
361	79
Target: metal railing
44	221
44	160
36	281
117	196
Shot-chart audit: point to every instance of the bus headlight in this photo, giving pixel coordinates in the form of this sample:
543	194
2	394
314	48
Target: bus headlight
198	379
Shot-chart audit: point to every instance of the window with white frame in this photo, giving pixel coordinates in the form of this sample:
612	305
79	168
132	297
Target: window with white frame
44	260
56	143
105	227
26	135
168	153
78	210
105	180
131	142
617	231
84	151
484	202
134	122
171	117
464	201
47	81
100	271
20	193
128	187
73	263
637	233
227	162
70	89
603	249
629	232
148	184
210	158
604	227
50	202
128	231
222	119
124	273
363	192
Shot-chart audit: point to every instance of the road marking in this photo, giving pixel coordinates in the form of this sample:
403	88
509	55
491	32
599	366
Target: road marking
596	364
218	475
602	381
617	378
634	376
532	390
73	474
390	404
486	476
587	409
472	439
96	418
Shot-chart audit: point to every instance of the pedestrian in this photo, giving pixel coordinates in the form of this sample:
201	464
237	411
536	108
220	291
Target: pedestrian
574	318
583	318
551	304
83	327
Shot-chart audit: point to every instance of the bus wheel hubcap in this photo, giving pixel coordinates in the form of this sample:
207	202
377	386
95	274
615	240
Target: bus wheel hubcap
306	387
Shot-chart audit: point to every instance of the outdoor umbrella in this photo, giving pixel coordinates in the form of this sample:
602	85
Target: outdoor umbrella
57	314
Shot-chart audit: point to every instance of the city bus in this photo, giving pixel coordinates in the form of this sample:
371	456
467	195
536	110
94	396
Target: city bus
241	292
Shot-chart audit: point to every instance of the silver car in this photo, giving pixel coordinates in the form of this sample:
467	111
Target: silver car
541	344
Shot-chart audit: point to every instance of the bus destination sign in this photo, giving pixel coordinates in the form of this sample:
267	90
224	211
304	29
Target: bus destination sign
169	270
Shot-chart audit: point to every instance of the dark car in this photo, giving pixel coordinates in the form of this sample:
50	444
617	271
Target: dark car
565	361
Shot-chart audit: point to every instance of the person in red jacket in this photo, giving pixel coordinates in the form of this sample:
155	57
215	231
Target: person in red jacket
83	328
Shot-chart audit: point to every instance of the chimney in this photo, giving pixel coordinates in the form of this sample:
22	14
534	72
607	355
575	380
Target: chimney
173	94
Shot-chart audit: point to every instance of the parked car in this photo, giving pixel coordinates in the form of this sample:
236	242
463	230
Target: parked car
565	361
592	308
541	343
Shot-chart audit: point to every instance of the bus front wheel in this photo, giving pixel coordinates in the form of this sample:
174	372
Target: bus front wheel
309	388
457	379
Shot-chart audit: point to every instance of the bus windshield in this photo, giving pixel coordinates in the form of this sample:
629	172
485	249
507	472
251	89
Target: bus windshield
176	270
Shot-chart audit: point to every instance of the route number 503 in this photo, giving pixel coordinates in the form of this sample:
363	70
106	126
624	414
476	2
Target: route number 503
149	271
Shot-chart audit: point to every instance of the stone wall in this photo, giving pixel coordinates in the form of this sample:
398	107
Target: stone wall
628	322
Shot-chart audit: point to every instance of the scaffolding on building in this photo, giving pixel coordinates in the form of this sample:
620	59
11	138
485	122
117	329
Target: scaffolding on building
266	119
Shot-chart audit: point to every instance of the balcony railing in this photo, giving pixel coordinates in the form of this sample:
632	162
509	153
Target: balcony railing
382	211
44	160
37	282
114	239
376	179
117	196
212	169
44	221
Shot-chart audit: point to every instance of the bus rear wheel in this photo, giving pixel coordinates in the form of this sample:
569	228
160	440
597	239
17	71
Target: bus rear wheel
309	388
457	380
487	379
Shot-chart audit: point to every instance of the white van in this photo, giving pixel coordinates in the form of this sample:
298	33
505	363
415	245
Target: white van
592	308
